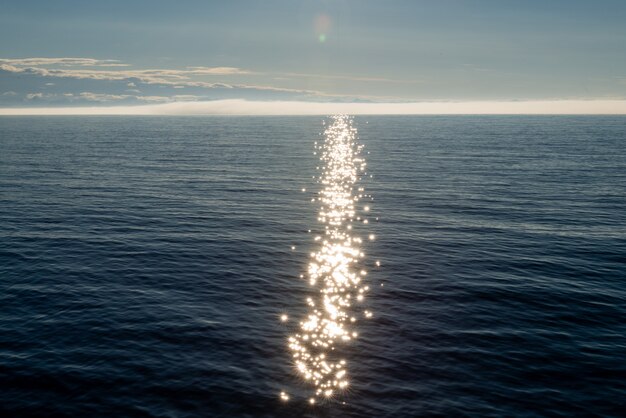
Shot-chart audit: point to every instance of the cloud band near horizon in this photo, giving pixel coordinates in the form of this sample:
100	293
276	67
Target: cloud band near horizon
269	108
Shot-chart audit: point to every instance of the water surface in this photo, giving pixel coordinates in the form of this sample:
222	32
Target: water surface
145	262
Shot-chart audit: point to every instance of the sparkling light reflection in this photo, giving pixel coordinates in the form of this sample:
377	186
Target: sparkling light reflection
334	268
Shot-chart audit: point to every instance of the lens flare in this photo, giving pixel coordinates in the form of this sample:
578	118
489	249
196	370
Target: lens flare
322	25
334	271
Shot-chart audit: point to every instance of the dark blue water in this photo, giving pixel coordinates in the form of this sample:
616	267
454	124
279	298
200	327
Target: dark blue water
144	263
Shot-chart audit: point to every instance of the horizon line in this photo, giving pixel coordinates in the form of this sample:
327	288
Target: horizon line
242	107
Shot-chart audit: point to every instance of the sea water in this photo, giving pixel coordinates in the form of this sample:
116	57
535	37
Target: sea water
146	263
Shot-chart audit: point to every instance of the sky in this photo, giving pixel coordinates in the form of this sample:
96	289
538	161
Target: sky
68	54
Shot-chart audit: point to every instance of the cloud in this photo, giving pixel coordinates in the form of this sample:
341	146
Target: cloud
10	68
175	98
246	107
76	75
32	96
150	76
71	85
185	97
66	62
216	70
96	97
83	96
155	98
100	97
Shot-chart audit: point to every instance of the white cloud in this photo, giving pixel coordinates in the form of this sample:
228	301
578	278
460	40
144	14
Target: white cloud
176	78
99	97
150	76
65	62
185	97
217	70
31	96
10	68
196	78
244	107
155	98
172	78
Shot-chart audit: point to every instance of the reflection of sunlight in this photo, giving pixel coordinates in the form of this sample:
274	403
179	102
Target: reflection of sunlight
333	270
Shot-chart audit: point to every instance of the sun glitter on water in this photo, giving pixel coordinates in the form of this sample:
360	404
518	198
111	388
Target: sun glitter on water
333	271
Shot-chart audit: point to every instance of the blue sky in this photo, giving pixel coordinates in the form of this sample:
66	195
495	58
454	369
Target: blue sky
148	52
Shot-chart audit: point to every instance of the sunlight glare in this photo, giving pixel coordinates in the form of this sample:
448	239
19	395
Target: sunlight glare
333	270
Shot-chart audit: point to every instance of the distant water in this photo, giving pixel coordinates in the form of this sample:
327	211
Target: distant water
145	263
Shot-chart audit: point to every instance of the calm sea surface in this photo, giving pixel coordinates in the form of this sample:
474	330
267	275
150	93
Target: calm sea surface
145	262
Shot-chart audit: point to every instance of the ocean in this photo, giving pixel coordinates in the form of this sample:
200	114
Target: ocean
146	262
